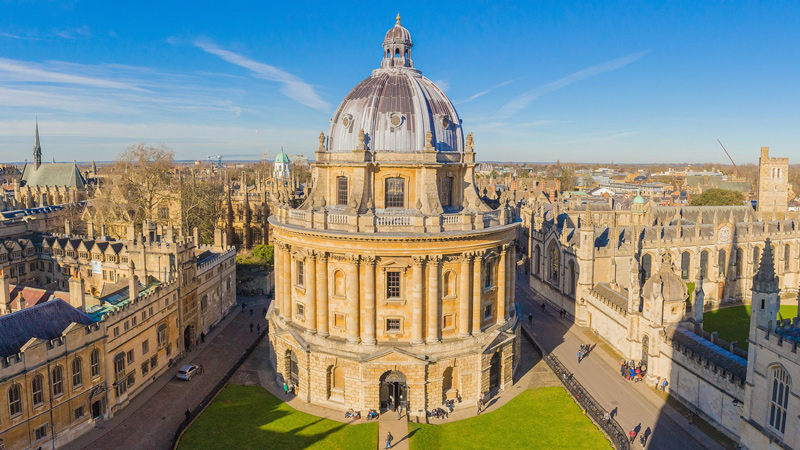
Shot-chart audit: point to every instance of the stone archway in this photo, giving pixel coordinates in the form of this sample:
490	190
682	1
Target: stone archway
495	371
393	391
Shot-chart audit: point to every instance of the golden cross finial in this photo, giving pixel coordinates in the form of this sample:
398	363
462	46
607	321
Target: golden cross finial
398	18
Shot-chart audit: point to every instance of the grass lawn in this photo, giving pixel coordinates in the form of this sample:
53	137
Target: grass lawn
733	324
249	417
544	418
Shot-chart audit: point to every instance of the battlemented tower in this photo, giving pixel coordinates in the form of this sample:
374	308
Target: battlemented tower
773	183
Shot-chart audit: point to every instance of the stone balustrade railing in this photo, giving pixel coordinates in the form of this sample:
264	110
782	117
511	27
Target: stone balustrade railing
400	222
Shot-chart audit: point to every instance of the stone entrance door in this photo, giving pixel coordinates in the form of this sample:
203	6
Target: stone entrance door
394	391
494	371
188	333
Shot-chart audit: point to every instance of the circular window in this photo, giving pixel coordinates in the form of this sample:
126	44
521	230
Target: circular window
346	122
396	119
445	122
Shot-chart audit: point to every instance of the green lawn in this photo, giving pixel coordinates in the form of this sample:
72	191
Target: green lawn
249	417
733	324
544	418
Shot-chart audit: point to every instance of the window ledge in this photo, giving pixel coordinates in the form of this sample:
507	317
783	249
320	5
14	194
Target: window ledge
395	301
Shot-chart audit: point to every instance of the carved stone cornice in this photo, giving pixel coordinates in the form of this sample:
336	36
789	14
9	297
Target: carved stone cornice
370	260
418	260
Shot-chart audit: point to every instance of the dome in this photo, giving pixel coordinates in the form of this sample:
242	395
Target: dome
282	158
667	282
639	200
396	107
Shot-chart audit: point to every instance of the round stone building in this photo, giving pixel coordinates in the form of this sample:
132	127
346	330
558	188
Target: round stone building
394	280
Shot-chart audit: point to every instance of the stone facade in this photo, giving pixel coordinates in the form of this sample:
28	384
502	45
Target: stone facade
773	184
394	280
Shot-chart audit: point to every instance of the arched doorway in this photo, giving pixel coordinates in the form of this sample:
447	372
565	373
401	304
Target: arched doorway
495	371
394	391
188	332
291	367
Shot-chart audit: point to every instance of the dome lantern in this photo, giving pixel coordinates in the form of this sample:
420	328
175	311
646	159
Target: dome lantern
397	47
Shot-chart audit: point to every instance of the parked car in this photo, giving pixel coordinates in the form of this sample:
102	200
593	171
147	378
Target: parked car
187	372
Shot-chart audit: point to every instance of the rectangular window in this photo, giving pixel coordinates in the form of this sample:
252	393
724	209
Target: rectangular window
119	367
145	346
393	284
41	432
131	379
338	320
116	331
58	381
125	326
79	412
341	190
395	193
393	325
447	191
154	361
300	273
95	363
145	367
130	357
488	311
301	310
448	321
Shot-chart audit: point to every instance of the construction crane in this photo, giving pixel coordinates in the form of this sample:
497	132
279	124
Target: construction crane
262	146
219	162
729	157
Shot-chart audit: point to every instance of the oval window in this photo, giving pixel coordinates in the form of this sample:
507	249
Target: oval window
445	122
346	122
396	120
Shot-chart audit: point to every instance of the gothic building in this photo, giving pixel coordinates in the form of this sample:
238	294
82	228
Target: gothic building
394	280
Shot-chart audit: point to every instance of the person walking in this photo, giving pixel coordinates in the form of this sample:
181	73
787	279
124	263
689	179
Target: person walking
389	439
543	305
658	382
632	435
258	328
244	305
607	418
664	385
580	354
285	389
251	327
480	405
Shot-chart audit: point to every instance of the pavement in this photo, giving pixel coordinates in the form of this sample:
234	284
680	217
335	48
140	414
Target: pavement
633	405
150	420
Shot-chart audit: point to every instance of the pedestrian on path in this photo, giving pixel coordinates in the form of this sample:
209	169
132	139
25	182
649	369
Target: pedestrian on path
264	312
664	385
251	327
580	354
480	405
251	312
244	305
187	413
258	328
543	305
389	439
632	435
658	382
285	389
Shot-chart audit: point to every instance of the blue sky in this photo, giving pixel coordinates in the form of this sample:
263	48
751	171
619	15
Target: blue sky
535	81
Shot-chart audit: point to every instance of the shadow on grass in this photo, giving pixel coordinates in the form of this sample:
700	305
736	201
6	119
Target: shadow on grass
245	417
733	323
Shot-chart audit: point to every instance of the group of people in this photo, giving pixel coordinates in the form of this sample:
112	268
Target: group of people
289	388
350	414
584	352
632	370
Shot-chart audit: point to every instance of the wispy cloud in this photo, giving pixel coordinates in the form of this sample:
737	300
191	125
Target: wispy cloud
74	33
484	92
444	85
292	86
523	100
37	73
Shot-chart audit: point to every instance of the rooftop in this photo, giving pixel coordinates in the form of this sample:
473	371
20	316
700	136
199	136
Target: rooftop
44	321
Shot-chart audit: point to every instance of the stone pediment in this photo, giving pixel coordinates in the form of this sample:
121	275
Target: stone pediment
393	355
392	263
500	338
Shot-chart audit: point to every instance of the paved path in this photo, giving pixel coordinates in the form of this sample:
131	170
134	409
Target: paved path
389	423
634	405
151	419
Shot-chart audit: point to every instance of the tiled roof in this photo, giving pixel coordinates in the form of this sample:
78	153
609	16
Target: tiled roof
45	321
57	174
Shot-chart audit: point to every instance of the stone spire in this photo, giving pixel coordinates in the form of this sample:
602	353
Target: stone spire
765	280
37	149
589	219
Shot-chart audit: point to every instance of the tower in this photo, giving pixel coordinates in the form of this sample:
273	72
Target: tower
773	184
281	170
766	292
37	149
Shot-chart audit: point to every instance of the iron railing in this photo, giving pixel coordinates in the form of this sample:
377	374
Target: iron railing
616	434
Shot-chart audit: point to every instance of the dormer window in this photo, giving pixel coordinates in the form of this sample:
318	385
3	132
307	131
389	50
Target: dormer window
341	190
395	193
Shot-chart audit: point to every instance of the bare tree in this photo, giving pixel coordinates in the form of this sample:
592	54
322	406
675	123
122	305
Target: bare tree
144	175
201	205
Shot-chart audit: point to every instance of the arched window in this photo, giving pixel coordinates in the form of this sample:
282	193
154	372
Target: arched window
739	261
447	379
58	381
397	53
204	303
489	279
686	260
573	278
37	390
406	54
341	190
537	260
77	372
704	264
449	284
722	262
14	400
339	283
779	399
646	268
787	257
395	193
335	383
555	262
446	194
756	258
95	359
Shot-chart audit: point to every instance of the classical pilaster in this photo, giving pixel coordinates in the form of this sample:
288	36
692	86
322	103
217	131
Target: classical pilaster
416	319
277	278
311	292
512	274
286	282
502	286
322	293
477	290
369	300
464	295
353	294
433	299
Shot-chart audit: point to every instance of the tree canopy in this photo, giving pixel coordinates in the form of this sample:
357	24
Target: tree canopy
718	197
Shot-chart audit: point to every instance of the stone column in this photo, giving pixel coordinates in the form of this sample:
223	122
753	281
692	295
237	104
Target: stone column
369	300
502	284
416	319
464	295
311	293
322	293
290	275
433	299
277	280
477	267
512	272
286	282
353	294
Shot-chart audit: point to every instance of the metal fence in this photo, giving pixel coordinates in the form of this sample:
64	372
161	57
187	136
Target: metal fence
199	408
597	413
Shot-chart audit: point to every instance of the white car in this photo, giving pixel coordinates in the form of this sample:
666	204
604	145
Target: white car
187	372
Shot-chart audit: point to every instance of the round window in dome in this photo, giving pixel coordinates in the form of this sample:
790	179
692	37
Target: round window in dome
347	120
446	122
396	120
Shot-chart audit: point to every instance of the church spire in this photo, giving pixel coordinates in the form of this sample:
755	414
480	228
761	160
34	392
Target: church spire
765	280
37	149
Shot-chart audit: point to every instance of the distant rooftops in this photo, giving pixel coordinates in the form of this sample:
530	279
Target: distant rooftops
46	321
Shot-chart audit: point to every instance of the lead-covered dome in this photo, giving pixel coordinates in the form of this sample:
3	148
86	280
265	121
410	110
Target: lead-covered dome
396	107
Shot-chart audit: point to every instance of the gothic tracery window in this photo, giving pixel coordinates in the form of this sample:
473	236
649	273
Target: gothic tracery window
779	399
